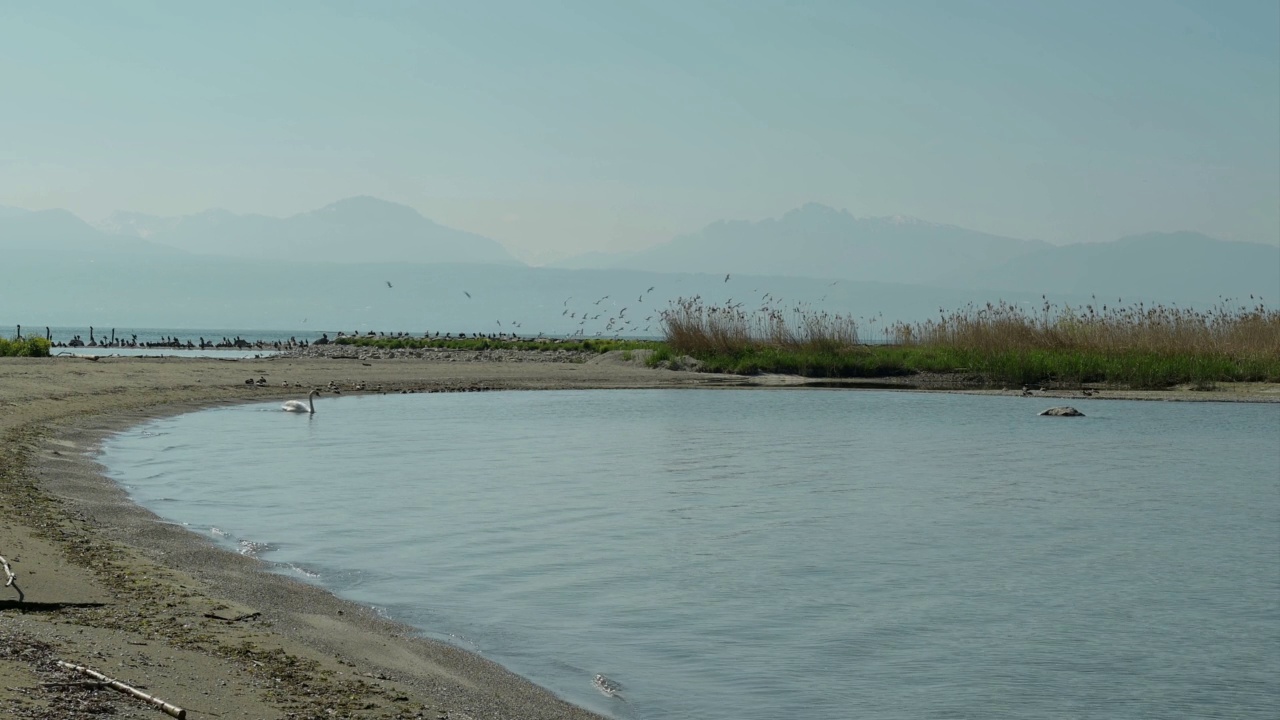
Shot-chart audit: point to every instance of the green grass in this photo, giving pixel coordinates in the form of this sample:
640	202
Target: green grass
25	347
548	345
662	354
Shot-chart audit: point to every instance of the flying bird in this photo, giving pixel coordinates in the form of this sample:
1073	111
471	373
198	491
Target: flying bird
388	283
464	292
726	277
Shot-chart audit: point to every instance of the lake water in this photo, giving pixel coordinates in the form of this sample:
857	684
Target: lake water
766	554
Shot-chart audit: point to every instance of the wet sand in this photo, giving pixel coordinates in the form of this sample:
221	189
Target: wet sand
107	585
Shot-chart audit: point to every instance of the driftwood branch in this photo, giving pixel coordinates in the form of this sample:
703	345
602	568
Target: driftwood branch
237	618
90	358
166	708
8	571
11	580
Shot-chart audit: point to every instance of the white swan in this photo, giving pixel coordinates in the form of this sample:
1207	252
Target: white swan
300	407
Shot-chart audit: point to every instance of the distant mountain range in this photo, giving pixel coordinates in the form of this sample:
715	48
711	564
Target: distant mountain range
820	242
59	233
1177	267
355	230
333	265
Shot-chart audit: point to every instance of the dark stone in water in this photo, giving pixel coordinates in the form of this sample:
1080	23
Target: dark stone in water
1064	411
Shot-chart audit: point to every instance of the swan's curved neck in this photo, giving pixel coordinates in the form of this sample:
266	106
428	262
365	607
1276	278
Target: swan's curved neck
311	401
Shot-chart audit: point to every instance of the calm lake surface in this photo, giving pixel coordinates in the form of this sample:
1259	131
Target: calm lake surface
767	554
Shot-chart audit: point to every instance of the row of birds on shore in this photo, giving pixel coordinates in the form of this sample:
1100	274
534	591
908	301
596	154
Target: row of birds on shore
169	342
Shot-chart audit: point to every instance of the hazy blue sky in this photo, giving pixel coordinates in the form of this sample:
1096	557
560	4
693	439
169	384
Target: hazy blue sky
569	126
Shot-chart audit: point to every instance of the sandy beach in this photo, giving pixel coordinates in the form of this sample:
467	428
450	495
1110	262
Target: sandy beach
104	584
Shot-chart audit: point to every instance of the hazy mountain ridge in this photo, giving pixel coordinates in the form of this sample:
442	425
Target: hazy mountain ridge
818	241
358	229
136	224
1179	266
59	233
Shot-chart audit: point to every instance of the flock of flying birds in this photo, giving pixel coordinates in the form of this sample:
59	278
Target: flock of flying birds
617	324
589	315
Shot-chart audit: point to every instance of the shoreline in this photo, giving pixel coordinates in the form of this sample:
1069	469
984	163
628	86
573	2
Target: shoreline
109	585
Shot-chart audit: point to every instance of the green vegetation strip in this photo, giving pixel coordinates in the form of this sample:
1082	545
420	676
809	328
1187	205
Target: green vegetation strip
24	347
1135	369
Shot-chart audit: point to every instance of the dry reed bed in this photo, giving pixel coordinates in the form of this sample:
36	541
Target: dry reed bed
1000	343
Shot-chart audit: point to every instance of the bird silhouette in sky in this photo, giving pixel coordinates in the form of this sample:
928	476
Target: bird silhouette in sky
726	277
464	292
388	283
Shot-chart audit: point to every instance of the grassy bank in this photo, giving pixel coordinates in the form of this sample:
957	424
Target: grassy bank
24	347
999	344
596	345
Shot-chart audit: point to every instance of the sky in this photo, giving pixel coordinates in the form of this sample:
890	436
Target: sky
564	127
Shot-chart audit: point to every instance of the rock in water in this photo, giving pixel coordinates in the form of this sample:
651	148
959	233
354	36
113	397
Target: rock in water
606	686
1064	411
